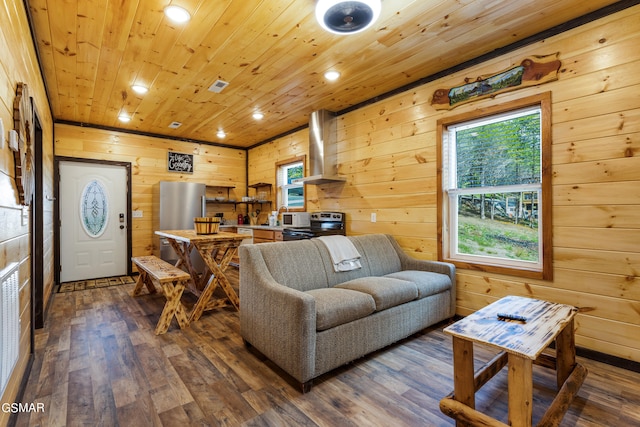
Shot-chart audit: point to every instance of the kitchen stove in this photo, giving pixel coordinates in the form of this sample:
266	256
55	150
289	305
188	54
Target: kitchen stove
322	224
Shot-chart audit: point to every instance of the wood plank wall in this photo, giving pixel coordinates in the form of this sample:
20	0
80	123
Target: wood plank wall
213	165
387	151
19	64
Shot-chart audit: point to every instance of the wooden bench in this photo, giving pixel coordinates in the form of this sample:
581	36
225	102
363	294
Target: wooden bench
171	280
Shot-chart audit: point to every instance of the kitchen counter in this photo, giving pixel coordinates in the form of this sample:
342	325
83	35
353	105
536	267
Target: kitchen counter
254	227
257	233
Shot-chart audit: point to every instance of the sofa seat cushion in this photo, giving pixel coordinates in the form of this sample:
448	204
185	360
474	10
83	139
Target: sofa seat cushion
387	292
338	306
428	283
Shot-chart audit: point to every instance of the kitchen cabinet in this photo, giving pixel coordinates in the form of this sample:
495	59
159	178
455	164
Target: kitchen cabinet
263	236
247	232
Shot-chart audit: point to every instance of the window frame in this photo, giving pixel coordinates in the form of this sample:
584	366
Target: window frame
281	187
545	269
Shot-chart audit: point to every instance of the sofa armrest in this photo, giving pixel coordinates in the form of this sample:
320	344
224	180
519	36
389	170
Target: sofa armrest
410	263
277	320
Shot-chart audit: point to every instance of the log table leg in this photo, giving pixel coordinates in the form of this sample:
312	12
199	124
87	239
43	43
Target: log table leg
463	374
520	380
565	353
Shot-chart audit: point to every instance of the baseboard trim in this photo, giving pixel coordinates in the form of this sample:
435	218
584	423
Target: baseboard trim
609	359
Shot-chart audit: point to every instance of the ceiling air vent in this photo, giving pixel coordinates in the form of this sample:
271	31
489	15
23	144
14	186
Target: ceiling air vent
175	125
217	86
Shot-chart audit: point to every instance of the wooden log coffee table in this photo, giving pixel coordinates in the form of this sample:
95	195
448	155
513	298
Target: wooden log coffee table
521	343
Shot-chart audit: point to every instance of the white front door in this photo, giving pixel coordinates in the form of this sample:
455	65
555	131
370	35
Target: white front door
93	215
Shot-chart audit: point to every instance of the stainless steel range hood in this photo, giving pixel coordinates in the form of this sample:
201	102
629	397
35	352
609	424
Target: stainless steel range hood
323	161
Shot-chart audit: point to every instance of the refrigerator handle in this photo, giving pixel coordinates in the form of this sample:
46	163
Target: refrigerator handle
203	211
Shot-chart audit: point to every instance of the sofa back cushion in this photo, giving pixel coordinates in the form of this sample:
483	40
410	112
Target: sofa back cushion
377	253
306	264
295	264
333	277
377	257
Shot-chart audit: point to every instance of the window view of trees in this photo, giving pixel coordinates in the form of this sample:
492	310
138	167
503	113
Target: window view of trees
495	189
506	152
294	172
503	225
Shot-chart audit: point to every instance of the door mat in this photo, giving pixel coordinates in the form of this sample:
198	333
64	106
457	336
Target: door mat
81	285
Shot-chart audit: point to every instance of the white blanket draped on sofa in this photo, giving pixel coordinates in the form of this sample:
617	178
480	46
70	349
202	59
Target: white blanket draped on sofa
344	255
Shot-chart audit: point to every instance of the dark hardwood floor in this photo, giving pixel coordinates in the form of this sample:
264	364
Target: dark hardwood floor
99	363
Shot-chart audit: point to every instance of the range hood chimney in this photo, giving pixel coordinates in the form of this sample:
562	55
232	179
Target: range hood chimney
323	159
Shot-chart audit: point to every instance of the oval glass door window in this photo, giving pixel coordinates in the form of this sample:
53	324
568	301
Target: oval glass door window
94	210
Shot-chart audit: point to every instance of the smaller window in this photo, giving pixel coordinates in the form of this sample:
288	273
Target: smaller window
290	194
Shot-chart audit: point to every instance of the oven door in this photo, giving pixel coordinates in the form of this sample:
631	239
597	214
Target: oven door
297	234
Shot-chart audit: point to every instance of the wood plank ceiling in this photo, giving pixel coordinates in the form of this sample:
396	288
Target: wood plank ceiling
272	53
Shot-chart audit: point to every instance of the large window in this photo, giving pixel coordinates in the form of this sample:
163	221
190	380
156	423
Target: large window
290	194
494	189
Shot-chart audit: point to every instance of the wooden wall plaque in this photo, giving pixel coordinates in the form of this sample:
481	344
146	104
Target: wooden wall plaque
530	72
23	157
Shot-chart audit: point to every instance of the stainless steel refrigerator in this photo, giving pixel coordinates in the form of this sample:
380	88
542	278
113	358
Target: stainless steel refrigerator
175	204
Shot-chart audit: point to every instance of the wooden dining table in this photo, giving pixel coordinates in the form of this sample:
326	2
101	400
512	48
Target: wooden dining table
217	250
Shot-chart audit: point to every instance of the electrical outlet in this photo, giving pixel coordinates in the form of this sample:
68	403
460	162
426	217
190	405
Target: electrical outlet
136	214
373	217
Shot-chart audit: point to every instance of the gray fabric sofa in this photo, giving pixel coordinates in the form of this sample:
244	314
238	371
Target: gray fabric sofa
308	319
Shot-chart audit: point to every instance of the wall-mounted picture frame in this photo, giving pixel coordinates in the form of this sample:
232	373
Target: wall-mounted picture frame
179	162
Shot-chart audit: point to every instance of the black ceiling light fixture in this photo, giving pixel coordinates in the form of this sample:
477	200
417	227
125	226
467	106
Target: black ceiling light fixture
347	17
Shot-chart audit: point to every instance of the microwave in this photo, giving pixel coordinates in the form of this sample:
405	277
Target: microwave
296	219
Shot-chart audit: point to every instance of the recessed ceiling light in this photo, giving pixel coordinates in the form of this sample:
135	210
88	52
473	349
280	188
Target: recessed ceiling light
140	89
258	115
347	17
177	13
221	134
331	75
124	118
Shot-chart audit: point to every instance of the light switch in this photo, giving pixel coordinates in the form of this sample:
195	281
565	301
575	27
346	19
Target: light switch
373	217
136	214
13	140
